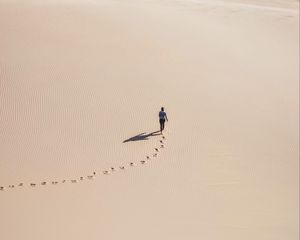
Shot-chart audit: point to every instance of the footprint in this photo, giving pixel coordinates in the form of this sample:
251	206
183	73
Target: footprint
44	183
105	172
81	178
112	169
90	177
143	162
148	157
156	149
63	181
54	182
122	168
131	164
73	181
161	141
2	188
11	186
162	146
32	184
20	185
163	137
94	173
155	155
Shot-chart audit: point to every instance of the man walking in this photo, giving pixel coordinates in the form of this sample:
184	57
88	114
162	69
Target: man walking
162	118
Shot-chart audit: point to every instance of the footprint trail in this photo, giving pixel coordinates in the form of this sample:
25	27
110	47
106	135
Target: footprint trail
112	170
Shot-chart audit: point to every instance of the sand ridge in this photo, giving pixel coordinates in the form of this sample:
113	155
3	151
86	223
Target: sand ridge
252	5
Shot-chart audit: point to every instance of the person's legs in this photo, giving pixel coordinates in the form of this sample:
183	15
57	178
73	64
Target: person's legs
161	124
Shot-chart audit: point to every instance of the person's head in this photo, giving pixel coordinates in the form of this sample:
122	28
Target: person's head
162	108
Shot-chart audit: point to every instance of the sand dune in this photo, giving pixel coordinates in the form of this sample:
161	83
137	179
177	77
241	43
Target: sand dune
81	84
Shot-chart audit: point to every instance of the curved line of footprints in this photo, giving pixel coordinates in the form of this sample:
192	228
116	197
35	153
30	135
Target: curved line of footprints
93	175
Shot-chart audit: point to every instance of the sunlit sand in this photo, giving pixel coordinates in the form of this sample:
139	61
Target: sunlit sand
81	85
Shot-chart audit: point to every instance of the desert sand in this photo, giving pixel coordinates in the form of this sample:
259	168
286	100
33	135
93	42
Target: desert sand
81	84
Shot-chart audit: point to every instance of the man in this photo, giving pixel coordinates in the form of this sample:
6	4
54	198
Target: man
162	118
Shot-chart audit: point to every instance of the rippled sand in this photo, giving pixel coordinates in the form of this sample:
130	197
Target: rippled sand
81	84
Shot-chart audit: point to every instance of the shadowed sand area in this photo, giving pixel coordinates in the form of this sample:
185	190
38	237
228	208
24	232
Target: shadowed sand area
142	136
81	84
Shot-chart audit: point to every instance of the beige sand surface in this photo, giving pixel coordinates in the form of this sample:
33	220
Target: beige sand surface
77	78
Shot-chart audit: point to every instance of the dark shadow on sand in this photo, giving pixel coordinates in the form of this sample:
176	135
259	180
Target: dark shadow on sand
142	136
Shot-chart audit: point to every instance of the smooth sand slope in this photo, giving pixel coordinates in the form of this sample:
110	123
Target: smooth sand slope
81	84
